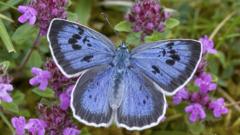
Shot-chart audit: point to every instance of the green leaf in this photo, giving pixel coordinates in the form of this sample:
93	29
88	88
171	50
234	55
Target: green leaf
156	36
6	18
84	131
123	26
24	112
5	37
35	59
18	97
72	16
9	4
165	132
133	38
196	128
11	107
220	55
83	10
23	33
48	93
171	23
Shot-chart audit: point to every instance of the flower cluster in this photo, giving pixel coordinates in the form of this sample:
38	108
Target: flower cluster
200	101
42	12
52	120
58	82
57	120
33	126
41	126
147	16
5	88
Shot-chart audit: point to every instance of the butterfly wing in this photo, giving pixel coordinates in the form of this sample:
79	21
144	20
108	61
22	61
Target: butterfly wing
143	106
170	64
90	97
75	47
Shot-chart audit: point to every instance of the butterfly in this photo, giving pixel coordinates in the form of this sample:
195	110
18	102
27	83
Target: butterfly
116	85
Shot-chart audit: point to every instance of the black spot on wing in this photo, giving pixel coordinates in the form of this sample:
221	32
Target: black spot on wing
72	41
175	57
85	39
76	36
76	47
80	31
87	58
155	69
170	62
89	45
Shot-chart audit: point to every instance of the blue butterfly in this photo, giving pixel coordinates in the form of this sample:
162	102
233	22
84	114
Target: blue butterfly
118	85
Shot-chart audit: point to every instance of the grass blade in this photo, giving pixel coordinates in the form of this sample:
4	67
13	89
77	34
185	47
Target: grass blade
5	37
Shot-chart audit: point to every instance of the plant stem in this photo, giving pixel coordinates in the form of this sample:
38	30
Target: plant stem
29	53
4	118
220	25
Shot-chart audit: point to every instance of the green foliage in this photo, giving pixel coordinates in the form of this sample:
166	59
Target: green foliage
5	37
83	10
123	26
48	93
172	22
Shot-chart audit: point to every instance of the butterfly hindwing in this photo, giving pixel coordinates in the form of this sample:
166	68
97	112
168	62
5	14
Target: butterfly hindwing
76	47
170	64
90	97
142	106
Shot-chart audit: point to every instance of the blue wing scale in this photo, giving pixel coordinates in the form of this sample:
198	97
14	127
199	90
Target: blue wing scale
168	63
76	48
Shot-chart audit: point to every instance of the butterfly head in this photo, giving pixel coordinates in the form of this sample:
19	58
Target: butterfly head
123	46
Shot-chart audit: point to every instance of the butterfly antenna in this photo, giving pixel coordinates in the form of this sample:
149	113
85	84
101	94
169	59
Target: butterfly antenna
106	18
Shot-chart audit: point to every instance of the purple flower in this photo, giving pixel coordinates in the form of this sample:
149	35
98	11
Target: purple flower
196	112
147	16
4	89
199	97
218	107
41	78
47	10
204	81
208	45
71	131
58	81
65	98
55	118
19	124
181	95
36	126
29	14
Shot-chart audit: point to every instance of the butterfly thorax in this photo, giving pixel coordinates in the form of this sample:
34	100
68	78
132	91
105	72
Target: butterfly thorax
121	60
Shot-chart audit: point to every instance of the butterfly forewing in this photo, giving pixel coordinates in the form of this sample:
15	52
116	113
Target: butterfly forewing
76	47
170	64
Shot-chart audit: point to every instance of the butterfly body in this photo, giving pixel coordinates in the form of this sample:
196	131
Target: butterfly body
119	86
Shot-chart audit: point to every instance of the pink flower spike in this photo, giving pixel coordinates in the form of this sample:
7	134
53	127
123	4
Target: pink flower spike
208	45
71	131
4	95
36	126
41	78
19	123
218	107
65	98
28	14
196	112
